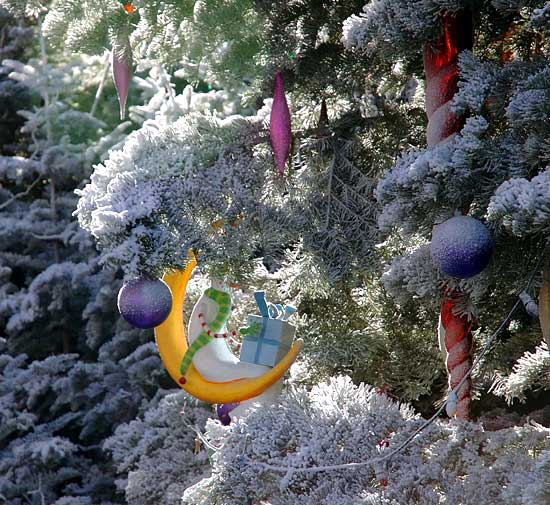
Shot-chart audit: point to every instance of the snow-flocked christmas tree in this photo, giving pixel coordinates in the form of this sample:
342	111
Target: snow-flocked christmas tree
344	234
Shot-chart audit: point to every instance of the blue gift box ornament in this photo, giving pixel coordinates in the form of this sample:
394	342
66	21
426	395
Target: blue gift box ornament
268	337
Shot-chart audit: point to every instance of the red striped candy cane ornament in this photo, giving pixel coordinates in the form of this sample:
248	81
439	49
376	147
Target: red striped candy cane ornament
458	344
441	69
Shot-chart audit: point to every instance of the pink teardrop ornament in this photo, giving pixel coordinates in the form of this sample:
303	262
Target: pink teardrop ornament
122	75
279	125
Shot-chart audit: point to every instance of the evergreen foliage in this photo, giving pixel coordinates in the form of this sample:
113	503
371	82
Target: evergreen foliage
159	454
273	455
13	95
55	414
70	370
333	208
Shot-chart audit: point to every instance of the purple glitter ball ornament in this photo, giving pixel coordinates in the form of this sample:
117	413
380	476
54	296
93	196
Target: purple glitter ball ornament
223	410
145	303
461	247
279	125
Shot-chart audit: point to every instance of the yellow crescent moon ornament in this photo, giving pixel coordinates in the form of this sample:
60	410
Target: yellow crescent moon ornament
172	345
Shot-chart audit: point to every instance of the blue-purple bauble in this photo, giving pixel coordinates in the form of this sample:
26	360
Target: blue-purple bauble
223	410
145	303
461	247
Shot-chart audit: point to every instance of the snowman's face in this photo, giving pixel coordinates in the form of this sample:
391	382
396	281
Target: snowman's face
220	285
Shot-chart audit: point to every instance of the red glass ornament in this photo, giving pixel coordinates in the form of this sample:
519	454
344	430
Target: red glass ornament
441	68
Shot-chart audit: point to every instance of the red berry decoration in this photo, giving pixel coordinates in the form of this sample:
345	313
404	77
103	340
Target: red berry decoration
145	303
279	125
461	247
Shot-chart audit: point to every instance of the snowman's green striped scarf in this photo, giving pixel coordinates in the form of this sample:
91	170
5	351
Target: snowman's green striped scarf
224	303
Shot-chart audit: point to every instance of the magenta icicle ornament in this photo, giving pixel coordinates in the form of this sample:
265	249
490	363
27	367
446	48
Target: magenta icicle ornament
122	75
279	125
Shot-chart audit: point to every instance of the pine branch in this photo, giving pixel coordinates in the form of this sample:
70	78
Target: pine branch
22	194
530	372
